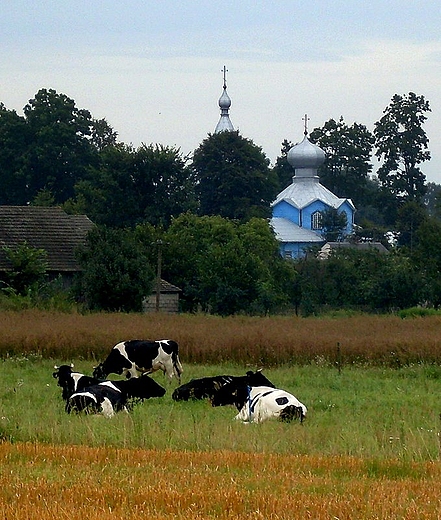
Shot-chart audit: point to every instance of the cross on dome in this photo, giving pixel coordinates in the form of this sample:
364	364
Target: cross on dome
305	119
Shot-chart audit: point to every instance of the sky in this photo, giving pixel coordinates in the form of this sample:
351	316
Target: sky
153	70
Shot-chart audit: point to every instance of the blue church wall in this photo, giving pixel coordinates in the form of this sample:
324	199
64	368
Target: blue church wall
308	211
285	210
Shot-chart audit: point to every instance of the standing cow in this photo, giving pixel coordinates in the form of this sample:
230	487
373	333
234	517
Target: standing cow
135	357
257	404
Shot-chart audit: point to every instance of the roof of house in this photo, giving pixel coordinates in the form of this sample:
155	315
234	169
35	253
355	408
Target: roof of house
167	287
48	228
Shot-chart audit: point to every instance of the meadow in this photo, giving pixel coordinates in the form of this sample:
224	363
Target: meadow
369	448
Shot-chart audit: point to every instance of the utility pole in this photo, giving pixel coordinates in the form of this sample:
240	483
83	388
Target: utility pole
159	244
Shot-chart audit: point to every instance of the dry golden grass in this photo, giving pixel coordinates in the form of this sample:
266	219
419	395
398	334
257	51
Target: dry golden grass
210	339
46	482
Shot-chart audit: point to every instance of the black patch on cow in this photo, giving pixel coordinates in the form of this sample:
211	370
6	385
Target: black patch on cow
282	400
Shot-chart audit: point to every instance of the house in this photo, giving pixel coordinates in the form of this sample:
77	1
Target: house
297	210
47	228
168	299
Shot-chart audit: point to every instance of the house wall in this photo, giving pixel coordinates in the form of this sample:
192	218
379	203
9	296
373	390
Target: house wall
168	302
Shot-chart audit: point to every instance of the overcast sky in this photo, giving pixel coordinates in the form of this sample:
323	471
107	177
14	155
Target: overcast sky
153	69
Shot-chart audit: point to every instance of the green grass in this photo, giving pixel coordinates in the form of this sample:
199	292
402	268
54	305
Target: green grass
370	412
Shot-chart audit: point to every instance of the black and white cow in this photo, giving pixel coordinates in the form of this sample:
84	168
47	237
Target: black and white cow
109	397
70	381
259	403
206	387
135	357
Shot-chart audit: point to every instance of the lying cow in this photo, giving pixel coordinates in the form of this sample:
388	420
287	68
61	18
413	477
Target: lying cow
109	397
257	404
135	357
206	387
71	381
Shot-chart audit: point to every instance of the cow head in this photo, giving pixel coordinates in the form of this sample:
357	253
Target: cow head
99	372
62	372
291	412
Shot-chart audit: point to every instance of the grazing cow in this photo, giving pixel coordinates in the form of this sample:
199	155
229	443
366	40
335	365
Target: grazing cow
109	397
135	357
71	381
206	387
256	404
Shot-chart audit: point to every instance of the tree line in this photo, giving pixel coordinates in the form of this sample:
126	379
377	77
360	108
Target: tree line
211	210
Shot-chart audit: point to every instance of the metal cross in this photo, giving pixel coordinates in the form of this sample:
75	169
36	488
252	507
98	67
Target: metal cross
225	70
306	119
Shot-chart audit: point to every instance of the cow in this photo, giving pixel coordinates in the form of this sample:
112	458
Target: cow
135	357
259	403
70	381
109	397
206	387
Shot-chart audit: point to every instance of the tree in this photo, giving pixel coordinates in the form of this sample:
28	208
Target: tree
402	144
14	142
225	267
60	151
116	271
282	168
28	268
131	186
233	177
334	224
348	152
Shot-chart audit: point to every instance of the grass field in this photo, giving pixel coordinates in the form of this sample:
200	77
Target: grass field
369	448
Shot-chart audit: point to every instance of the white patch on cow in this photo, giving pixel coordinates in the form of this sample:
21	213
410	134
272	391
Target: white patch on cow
107	408
163	361
109	384
87	394
262	405
76	376
121	347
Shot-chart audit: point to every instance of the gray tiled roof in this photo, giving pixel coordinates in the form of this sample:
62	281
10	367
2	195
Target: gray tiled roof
51	229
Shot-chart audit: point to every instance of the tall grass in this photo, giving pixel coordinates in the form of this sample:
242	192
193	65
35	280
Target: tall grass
272	341
364	412
47	482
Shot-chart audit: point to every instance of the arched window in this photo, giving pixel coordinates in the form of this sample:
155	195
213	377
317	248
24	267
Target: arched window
316	220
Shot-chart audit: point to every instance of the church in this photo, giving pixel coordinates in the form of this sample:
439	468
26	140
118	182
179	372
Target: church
297	210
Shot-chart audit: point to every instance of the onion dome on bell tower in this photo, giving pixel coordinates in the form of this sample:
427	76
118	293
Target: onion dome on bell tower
224	123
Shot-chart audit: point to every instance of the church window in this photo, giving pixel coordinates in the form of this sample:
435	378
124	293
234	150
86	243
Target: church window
316	220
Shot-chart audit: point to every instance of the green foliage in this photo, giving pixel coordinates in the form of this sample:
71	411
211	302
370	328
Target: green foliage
233	178
348	152
359	279
282	168
334	224
116	272
129	187
226	267
28	268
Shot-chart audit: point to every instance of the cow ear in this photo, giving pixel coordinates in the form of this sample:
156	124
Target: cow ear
259	370
56	367
71	365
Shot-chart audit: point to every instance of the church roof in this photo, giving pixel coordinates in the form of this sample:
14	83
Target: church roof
286	231
305	190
